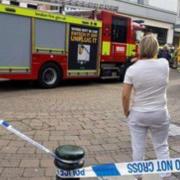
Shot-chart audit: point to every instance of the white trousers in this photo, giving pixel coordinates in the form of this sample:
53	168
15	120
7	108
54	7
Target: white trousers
157	123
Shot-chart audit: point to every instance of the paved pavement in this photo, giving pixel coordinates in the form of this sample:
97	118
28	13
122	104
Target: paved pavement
88	114
147	177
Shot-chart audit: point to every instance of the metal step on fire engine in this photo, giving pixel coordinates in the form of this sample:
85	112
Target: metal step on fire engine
110	71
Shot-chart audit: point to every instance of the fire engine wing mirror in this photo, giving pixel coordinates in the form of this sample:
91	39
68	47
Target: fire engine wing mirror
139	21
139	35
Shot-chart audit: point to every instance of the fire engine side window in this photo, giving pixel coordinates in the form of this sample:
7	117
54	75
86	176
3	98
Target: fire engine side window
119	29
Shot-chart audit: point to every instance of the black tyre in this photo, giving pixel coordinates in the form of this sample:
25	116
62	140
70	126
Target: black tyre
49	76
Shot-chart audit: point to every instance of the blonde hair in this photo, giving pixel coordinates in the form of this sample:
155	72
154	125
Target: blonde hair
148	47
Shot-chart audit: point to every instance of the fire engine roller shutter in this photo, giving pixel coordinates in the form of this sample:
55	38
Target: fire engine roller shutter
49	35
15	43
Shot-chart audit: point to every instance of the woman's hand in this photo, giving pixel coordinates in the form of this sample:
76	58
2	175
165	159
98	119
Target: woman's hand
126	95
126	114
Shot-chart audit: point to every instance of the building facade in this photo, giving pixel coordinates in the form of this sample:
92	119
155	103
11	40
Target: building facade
170	7
159	17
177	27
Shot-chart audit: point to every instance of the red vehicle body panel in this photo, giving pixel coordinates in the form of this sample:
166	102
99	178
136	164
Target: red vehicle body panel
118	50
117	55
38	60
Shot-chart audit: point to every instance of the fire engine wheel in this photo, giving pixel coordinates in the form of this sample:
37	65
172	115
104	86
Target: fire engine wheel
50	76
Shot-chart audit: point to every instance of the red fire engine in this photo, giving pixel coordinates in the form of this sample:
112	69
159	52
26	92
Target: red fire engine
48	47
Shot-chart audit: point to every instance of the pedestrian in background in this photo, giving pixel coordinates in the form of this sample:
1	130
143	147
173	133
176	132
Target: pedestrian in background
148	78
177	56
165	53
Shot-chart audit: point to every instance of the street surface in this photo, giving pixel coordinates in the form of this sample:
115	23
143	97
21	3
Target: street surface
88	114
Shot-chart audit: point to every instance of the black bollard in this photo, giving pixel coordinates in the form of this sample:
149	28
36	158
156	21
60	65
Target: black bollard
70	157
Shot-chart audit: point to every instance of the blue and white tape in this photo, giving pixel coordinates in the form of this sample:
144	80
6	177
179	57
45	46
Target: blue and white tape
114	169
124	169
10	128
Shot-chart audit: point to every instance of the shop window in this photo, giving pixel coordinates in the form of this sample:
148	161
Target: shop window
134	1
119	29
140	1
161	33
137	1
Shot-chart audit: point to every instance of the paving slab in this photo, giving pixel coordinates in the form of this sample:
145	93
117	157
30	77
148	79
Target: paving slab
88	114
146	177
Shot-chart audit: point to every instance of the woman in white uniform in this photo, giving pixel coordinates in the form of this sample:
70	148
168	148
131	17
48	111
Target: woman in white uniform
148	78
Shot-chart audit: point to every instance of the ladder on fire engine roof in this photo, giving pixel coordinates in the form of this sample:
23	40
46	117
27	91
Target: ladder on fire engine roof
88	4
66	6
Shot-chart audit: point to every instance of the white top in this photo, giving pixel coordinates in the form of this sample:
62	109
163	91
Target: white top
149	78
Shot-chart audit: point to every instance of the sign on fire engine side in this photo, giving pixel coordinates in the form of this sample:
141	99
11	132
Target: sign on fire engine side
83	48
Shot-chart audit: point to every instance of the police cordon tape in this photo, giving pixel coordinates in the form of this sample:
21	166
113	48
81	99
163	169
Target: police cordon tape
124	169
10	128
113	169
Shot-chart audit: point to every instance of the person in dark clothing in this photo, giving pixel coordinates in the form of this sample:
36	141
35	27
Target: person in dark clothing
165	53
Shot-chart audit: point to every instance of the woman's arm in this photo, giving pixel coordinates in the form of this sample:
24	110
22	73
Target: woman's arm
126	95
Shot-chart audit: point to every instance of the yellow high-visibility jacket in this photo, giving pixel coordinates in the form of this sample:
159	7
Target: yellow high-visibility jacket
177	54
